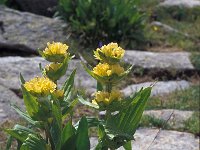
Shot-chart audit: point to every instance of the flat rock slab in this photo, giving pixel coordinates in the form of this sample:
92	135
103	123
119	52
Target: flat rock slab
152	139
28	32
11	67
181	3
152	60
8	97
175	118
159	88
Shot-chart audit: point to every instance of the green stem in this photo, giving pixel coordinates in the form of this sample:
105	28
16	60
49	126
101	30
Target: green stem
109	87
48	135
108	114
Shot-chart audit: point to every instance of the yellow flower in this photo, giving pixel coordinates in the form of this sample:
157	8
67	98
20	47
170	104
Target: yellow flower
106	97
40	86
53	67
155	28
105	69
55	52
111	50
55	48
59	93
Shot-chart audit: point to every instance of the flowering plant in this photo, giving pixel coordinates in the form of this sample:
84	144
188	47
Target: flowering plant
122	114
48	105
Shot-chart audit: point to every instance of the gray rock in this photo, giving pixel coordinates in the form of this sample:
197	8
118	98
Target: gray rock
159	88
181	3
8	97
11	67
151	60
152	139
28	32
175	118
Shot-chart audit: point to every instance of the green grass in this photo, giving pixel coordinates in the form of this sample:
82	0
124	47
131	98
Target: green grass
195	59
186	21
150	121
183	100
192	125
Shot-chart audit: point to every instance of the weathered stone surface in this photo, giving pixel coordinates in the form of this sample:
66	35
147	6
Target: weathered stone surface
8	97
181	3
159	88
164	140
11	67
151	60
28	32
175	118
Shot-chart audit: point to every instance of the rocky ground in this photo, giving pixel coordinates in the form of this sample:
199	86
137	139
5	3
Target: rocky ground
24	33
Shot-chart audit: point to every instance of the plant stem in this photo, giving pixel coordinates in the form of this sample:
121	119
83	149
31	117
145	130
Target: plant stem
108	114
48	135
109	87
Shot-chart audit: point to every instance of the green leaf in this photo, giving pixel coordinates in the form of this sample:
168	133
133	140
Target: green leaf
80	98
92	122
26	116
19	132
82	139
128	146
33	143
68	85
67	132
56	126
70	143
30	102
68	108
9	142
21	79
126	121
99	86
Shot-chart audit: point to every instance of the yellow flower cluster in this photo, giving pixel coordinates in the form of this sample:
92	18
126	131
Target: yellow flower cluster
55	52
105	69
40	86
106	97
53	67
56	48
59	93
107	65
111	50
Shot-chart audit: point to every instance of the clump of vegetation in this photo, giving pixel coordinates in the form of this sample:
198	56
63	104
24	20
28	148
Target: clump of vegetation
193	124
184	24
96	22
150	121
2	2
195	59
